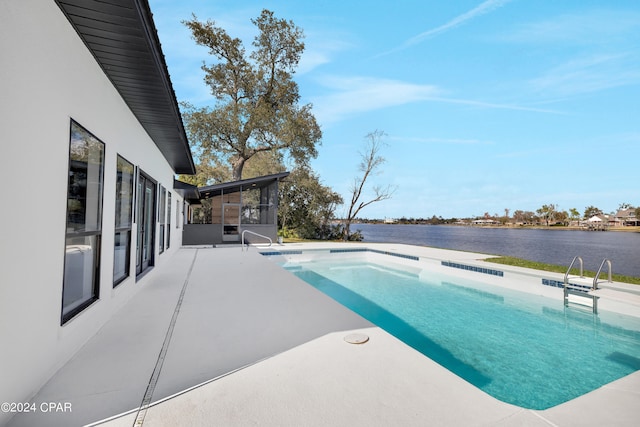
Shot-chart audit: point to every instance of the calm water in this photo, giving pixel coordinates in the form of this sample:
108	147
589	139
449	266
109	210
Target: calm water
548	246
522	349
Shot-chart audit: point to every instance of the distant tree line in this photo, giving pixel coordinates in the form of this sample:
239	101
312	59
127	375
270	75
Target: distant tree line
548	215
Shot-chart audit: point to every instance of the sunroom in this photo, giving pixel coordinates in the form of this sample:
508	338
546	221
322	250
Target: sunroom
234	212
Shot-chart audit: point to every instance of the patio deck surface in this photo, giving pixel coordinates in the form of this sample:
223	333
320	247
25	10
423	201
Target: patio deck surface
254	345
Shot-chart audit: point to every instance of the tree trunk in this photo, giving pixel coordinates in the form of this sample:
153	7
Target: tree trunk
346	230
238	165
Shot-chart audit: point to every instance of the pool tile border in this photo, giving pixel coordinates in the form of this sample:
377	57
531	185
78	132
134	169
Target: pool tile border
377	251
466	267
332	251
474	268
560	284
285	252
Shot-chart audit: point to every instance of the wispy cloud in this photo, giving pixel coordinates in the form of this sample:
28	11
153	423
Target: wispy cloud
355	95
590	73
442	141
482	104
590	27
593	50
360	94
482	9
319	50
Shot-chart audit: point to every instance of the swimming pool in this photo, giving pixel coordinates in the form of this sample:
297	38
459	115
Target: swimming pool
523	349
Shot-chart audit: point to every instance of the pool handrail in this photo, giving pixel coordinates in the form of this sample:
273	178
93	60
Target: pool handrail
566	275
595	279
255	234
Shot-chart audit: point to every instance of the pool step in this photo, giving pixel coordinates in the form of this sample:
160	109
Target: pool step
582	286
585	295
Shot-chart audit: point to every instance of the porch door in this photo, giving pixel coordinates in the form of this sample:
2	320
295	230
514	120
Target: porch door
231	222
146	223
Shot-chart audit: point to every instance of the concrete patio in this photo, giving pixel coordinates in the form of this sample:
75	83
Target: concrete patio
225	337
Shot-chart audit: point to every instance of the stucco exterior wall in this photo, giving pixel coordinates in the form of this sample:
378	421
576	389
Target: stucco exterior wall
47	78
211	234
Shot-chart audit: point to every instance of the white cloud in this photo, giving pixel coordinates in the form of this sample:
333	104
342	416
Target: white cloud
360	94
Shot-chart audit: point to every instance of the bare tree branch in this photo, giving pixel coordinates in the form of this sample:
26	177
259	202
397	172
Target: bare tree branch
370	163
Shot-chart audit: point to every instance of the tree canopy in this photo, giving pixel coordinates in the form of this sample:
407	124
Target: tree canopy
590	211
257	102
547	212
306	206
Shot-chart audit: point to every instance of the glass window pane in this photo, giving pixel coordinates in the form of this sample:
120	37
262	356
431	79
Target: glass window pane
250	215
231	214
168	219
80	265
161	217
161	204
124	210
149	215
169	208
122	243
231	230
124	193
84	200
84	221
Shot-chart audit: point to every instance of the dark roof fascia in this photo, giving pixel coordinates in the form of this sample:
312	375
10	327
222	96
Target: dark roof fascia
235	186
186	190
149	95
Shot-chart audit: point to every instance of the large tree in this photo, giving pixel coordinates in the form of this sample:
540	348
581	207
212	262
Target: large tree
574	214
548	213
257	102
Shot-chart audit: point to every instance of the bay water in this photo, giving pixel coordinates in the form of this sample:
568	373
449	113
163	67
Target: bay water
551	246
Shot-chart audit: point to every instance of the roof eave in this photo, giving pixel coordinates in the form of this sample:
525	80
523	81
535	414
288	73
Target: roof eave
243	183
127	28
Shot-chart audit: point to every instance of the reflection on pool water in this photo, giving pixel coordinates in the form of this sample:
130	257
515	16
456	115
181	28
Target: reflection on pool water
520	348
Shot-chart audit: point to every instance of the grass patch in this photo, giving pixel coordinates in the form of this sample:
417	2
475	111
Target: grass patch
518	262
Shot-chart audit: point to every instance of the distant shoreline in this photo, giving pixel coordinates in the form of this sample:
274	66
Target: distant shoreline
628	229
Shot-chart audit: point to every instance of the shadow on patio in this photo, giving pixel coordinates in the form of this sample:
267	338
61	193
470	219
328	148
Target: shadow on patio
217	309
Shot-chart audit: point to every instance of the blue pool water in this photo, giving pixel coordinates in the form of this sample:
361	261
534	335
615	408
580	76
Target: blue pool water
522	349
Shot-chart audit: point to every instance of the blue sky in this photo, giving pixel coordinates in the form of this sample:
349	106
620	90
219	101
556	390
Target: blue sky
487	105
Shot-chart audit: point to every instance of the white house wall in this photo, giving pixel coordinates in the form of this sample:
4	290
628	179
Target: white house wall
47	78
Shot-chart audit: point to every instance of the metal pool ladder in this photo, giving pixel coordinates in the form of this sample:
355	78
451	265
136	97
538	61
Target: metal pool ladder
582	290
